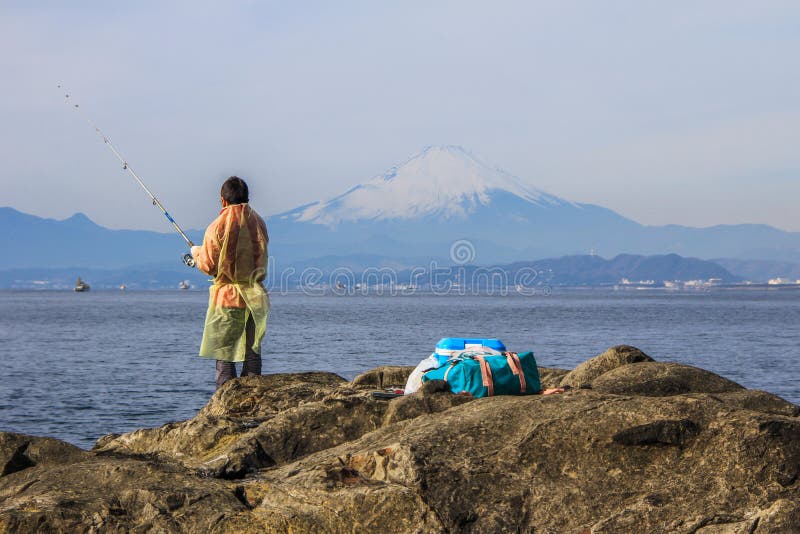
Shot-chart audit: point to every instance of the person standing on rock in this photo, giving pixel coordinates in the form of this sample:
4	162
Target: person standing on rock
234	252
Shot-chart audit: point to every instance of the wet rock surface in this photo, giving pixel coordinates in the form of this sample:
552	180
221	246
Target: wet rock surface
636	446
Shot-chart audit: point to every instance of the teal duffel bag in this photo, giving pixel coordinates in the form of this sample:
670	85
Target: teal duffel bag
486	374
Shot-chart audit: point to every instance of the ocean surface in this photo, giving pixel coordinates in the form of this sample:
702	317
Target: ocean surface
80	365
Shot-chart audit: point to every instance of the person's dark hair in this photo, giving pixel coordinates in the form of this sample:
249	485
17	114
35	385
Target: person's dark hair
235	191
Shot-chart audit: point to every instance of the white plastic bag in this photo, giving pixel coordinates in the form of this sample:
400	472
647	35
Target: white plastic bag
415	379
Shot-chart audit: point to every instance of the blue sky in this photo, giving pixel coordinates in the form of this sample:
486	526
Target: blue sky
667	112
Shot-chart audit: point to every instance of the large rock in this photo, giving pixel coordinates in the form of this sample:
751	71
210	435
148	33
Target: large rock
584	374
433	397
388	376
50	486
651	447
562	463
256	422
111	494
19	452
658	379
759	401
264	396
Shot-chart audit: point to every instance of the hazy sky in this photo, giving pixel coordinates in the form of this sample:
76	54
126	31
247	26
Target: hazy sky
667	112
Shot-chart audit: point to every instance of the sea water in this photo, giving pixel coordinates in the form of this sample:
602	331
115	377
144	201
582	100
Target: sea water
80	365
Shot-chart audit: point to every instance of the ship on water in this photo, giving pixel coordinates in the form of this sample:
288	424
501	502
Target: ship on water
81	286
184	284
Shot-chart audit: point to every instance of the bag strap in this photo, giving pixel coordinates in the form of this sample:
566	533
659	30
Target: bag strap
447	372
486	374
516	367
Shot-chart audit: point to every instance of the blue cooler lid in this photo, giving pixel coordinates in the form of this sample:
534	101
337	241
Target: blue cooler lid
461	343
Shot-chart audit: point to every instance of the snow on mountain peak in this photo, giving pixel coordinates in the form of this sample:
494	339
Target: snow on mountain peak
446	181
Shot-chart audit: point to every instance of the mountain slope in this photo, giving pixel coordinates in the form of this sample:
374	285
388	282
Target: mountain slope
441	181
445	194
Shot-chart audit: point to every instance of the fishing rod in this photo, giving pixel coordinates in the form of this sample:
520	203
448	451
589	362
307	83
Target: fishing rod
188	260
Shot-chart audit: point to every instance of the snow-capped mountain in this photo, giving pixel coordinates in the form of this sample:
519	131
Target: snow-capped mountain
416	210
441	181
438	196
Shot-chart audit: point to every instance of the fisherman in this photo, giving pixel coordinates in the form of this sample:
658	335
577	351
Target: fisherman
234	252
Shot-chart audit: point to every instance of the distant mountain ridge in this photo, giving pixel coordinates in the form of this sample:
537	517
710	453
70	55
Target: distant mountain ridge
412	213
34	242
584	270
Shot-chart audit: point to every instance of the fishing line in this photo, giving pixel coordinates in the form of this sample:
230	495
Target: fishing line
187	258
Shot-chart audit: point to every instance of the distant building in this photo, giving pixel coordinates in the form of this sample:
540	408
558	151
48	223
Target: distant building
779	281
626	282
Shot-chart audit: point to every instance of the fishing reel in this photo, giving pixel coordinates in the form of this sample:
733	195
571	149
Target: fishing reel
188	260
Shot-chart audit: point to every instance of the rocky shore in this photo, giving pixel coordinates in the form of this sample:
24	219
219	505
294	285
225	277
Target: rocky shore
635	446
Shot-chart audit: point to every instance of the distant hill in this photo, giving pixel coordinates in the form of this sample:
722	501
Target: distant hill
585	270
365	270
594	270
571	271
33	242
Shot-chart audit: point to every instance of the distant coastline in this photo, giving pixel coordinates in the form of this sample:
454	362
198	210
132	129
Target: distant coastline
348	275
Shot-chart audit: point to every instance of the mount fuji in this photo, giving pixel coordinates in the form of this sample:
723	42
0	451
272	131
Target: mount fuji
441	181
416	210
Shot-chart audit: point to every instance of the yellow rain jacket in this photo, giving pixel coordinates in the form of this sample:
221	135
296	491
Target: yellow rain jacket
234	251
